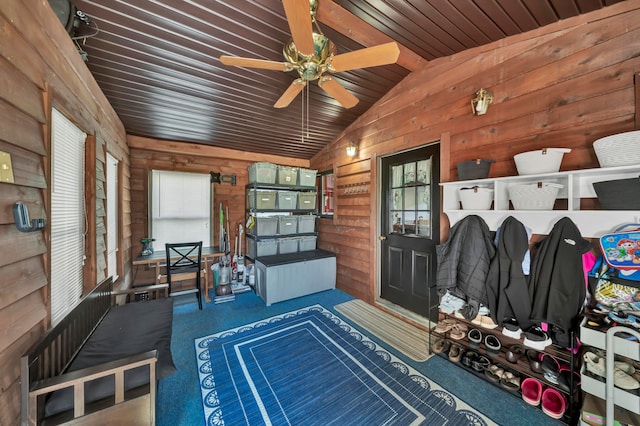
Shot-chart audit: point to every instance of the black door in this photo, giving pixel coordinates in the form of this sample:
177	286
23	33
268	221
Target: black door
410	228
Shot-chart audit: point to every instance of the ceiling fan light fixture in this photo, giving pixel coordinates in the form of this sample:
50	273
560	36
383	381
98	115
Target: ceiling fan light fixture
352	148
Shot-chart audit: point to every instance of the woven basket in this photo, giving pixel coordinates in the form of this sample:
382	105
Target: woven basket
476	198
622	149
545	160
536	196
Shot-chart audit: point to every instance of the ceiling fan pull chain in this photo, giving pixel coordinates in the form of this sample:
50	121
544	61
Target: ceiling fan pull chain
308	111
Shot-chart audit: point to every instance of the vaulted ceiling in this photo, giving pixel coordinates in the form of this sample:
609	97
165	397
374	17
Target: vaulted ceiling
158	61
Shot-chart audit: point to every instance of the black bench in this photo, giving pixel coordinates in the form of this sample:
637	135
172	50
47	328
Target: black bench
101	363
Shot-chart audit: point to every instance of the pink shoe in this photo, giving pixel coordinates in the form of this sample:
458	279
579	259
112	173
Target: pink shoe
554	403
531	391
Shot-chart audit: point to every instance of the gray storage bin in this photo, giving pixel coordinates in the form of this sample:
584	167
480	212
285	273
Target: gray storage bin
261	199
287	225
307	243
262	173
287	245
287	175
287	200
307	200
267	226
306	224
307	177
261	247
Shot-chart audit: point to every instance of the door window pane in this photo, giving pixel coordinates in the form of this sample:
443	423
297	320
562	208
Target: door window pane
411	198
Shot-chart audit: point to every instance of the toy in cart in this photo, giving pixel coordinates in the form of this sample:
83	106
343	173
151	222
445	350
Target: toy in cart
621	250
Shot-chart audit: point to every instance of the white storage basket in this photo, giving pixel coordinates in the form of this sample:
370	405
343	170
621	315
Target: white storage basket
622	149
476	198
545	160
536	196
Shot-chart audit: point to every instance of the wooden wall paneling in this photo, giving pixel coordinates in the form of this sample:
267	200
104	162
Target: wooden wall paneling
40	67
565	85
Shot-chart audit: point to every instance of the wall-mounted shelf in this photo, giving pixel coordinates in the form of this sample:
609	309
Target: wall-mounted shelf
577	184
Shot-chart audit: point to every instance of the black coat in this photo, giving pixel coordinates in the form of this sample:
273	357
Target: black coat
507	291
556	284
463	263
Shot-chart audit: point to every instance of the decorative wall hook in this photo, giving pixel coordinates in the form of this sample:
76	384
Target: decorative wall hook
218	178
21	216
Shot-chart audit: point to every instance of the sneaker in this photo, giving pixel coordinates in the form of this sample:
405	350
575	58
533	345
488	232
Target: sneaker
536	338
622	372
510	328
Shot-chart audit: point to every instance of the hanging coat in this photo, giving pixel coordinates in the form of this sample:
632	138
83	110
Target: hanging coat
556	283
507	290
463	263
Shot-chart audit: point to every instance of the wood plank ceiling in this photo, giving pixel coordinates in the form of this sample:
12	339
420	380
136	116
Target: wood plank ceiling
157	61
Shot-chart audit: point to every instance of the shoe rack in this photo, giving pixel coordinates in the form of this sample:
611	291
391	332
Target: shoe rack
508	360
615	342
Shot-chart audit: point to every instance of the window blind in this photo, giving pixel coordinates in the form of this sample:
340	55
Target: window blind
67	215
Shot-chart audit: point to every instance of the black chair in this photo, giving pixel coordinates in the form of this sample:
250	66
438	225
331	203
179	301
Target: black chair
184	262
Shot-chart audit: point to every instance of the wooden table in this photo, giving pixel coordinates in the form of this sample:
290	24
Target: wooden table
158	259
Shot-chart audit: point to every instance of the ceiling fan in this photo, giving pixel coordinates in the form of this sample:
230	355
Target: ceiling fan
312	54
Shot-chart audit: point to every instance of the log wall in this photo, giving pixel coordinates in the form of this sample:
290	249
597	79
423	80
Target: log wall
41	69
564	85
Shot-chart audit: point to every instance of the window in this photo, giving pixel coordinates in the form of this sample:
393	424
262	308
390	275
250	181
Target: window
67	215
180	208
410	211
326	199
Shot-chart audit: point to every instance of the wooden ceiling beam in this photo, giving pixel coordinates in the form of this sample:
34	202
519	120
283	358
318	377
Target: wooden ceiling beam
341	20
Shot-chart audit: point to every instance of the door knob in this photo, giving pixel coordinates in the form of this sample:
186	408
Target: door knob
382	237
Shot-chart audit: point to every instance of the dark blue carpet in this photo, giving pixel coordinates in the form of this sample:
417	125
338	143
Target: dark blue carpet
180	399
309	367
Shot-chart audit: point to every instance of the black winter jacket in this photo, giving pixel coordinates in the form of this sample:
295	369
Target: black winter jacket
463	263
556	284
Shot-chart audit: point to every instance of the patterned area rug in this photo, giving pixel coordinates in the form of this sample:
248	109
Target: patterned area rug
410	340
310	367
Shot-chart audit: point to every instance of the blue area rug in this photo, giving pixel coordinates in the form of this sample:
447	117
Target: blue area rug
310	367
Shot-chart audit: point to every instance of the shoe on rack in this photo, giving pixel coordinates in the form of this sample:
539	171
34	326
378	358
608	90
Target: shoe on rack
536	338
531	391
551	367
444	325
622	372
510	381
596	364
441	345
458	331
469	357
475	337
455	353
554	404
514	352
534	361
493	345
564	379
511	328
494	373
487	322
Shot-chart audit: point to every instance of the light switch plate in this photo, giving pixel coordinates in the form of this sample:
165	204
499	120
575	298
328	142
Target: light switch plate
6	169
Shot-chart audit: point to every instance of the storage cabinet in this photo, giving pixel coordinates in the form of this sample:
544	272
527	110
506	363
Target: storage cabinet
286	276
614	343
576	185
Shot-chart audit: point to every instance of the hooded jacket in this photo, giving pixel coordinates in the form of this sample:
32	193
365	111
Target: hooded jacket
556	283
507	290
463	263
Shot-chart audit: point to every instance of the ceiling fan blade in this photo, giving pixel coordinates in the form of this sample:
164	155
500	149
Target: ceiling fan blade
290	94
255	63
299	17
338	92
382	54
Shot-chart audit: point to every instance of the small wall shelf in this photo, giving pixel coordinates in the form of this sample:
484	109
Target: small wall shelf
577	184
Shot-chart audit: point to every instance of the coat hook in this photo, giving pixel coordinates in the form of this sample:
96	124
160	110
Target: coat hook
21	216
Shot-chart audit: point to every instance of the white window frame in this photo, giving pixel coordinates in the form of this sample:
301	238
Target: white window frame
180	208
67	225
